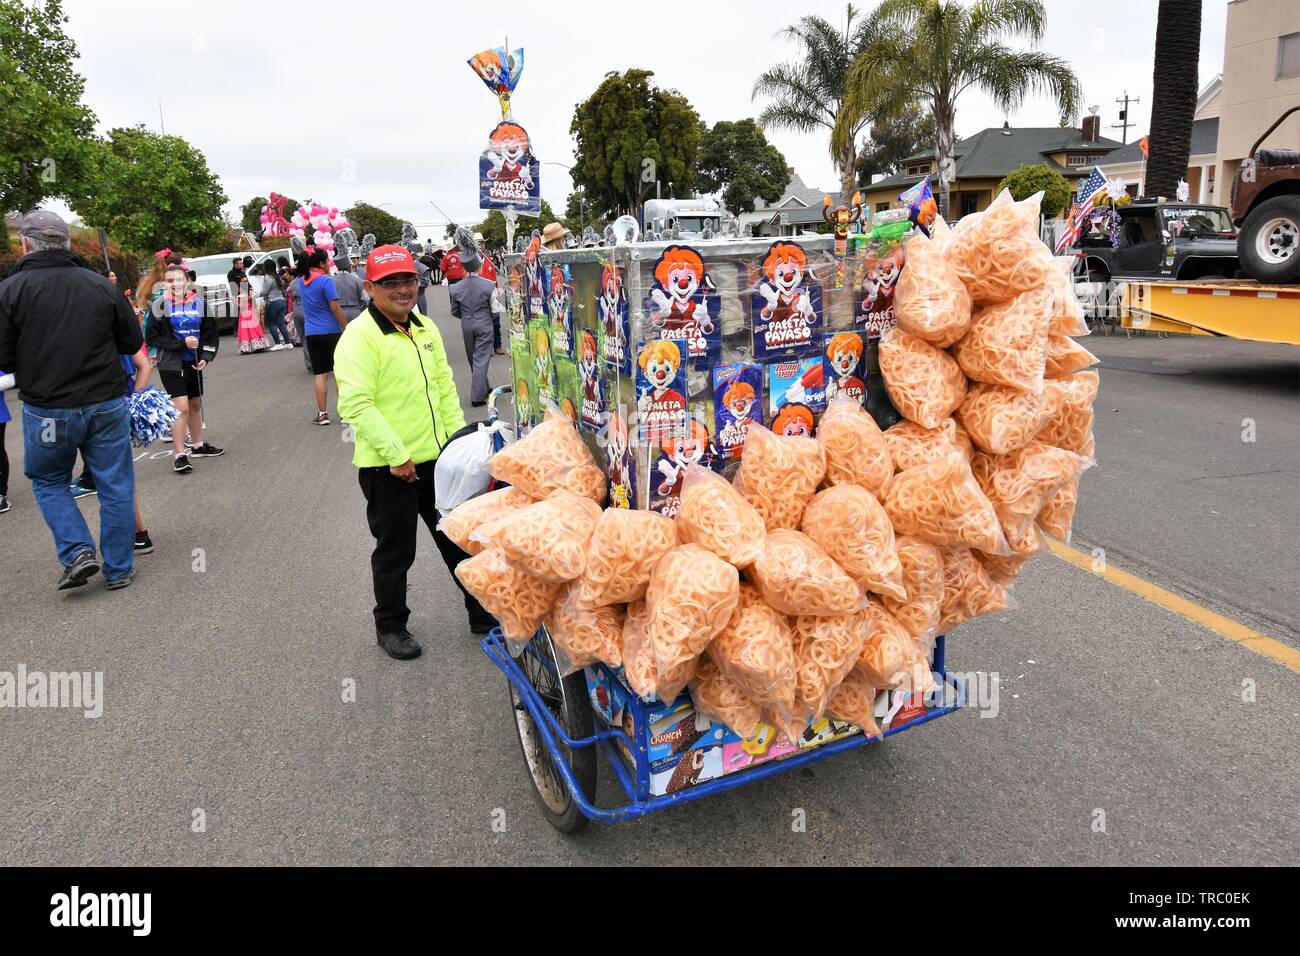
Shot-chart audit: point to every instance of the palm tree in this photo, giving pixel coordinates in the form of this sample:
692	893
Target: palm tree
808	94
933	51
1173	99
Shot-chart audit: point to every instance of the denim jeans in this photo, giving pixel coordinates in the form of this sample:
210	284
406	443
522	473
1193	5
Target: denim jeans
274	318
51	439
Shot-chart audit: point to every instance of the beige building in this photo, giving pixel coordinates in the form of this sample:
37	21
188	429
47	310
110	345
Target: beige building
1261	80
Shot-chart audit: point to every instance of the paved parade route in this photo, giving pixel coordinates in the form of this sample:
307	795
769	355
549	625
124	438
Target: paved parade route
1120	737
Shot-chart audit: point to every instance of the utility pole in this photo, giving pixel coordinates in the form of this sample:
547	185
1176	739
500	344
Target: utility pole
1123	123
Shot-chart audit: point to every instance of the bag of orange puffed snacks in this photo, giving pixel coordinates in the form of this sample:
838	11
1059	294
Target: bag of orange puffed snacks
691	596
1071	427
552	457
923	382
1057	514
850	525
968	591
756	652
714	515
997	253
778	474
930	299
583	636
624	548
795	576
1005	568
855	447
826	648
463	520
719	699
1007	342
1000	419
912	445
1019	483
548	539
516	599
941	502
922	567
1066	356
854	701
639	666
891	658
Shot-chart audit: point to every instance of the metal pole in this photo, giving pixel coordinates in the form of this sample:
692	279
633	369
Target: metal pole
103	248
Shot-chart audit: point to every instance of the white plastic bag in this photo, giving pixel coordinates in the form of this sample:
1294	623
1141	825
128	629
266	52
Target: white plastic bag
7	381
462	471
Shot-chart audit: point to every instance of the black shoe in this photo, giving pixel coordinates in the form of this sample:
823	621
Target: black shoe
478	404
143	543
120	583
182	465
206	450
4	504
82	569
401	646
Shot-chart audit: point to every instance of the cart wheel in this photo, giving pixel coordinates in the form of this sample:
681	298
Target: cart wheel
566	698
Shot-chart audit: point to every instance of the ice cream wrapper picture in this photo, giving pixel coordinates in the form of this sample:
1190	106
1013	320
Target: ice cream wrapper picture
589	367
543	364
846	366
559	295
737	401
661	391
612	314
683	303
509	172
882	264
566	388
525	382
620	464
796	393
786	307
675	456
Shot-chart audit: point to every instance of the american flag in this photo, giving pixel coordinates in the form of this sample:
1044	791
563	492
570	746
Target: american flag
1088	194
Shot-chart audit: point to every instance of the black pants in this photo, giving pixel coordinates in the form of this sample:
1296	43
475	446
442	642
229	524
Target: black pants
4	459
393	510
496	332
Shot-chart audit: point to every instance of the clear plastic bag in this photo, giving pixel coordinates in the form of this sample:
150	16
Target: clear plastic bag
925	384
756	652
941	502
714	515
1071	427
854	701
1007	342
912	445
547	540
922	567
1018	484
1066	356
891	658
931	300
1005	568
855	446
997	253
1066	311
968	591
461	522
826	648
624	548
1057	515
691	596
719	699
795	576
516	599
1000	419
778	474
850	525
550	458
583	636
639	666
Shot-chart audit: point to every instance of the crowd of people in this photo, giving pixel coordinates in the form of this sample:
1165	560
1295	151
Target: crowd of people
75	346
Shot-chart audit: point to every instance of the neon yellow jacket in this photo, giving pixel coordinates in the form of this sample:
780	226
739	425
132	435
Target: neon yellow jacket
396	391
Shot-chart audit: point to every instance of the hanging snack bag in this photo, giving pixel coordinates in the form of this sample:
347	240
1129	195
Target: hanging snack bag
826	648
925	384
756	652
584	636
463	520
912	445
922	567
854	446
516	599
931	301
719	699
942	503
778	474
1005	568
691	596
850	525
1066	356
547	540
968	591
1007	342
639	666
1057	516
1071	427
1018	484
624	548
795	576
714	515
1000	419
998	253
854	701
550	458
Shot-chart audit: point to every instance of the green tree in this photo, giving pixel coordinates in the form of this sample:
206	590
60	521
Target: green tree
152	191
931	51
1173	95
624	123
808	94
365	218
250	214
493	228
46	133
579	213
892	140
1027	180
736	159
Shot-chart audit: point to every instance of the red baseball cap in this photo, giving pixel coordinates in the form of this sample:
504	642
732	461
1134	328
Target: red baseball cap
385	261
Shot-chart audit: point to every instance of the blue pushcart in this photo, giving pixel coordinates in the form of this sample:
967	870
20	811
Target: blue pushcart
560	732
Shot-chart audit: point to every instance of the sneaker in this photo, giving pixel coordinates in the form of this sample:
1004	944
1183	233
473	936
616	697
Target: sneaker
188	443
288	345
4	504
120	583
143	543
321	419
206	450
400	646
81	491
182	465
82	569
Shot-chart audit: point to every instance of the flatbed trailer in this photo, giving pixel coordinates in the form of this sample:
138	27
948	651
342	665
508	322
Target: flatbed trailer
1231	308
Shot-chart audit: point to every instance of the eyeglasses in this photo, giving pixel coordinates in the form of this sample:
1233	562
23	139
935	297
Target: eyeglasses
397	282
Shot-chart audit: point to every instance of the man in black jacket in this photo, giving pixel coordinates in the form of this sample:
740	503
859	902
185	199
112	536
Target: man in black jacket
63	329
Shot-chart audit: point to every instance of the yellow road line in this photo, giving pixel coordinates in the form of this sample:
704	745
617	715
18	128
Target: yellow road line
1272	648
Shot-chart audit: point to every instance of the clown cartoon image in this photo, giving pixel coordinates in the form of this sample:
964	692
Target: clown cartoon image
737	401
557	306
881	268
515	303
787	305
611	310
661	390
620	466
593	402
510	155
676	455
793	420
539	341
534	290
844	366
683	302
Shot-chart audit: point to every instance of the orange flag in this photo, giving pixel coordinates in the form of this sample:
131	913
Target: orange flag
1143	143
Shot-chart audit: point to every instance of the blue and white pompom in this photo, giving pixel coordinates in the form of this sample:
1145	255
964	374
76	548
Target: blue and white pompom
152	414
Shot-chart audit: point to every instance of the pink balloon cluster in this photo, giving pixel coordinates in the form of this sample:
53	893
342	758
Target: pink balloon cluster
324	222
272	217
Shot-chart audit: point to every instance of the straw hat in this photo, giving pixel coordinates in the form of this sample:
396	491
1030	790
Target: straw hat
555	232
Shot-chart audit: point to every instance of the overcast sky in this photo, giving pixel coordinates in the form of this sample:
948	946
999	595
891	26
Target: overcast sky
375	102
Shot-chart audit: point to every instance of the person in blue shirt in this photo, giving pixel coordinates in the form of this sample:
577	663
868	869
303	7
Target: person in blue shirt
5	417
323	323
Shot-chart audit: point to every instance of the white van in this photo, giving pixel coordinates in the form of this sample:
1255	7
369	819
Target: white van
210	278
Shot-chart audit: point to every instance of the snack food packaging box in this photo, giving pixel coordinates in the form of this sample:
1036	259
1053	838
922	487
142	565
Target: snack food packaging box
768	743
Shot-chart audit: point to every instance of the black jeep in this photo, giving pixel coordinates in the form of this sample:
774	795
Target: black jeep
1161	240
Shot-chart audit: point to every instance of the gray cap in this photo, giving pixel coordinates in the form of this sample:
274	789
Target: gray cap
41	224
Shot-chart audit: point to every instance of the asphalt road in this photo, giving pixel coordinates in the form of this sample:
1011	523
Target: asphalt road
225	666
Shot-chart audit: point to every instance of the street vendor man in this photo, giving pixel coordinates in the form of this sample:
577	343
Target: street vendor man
397	392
